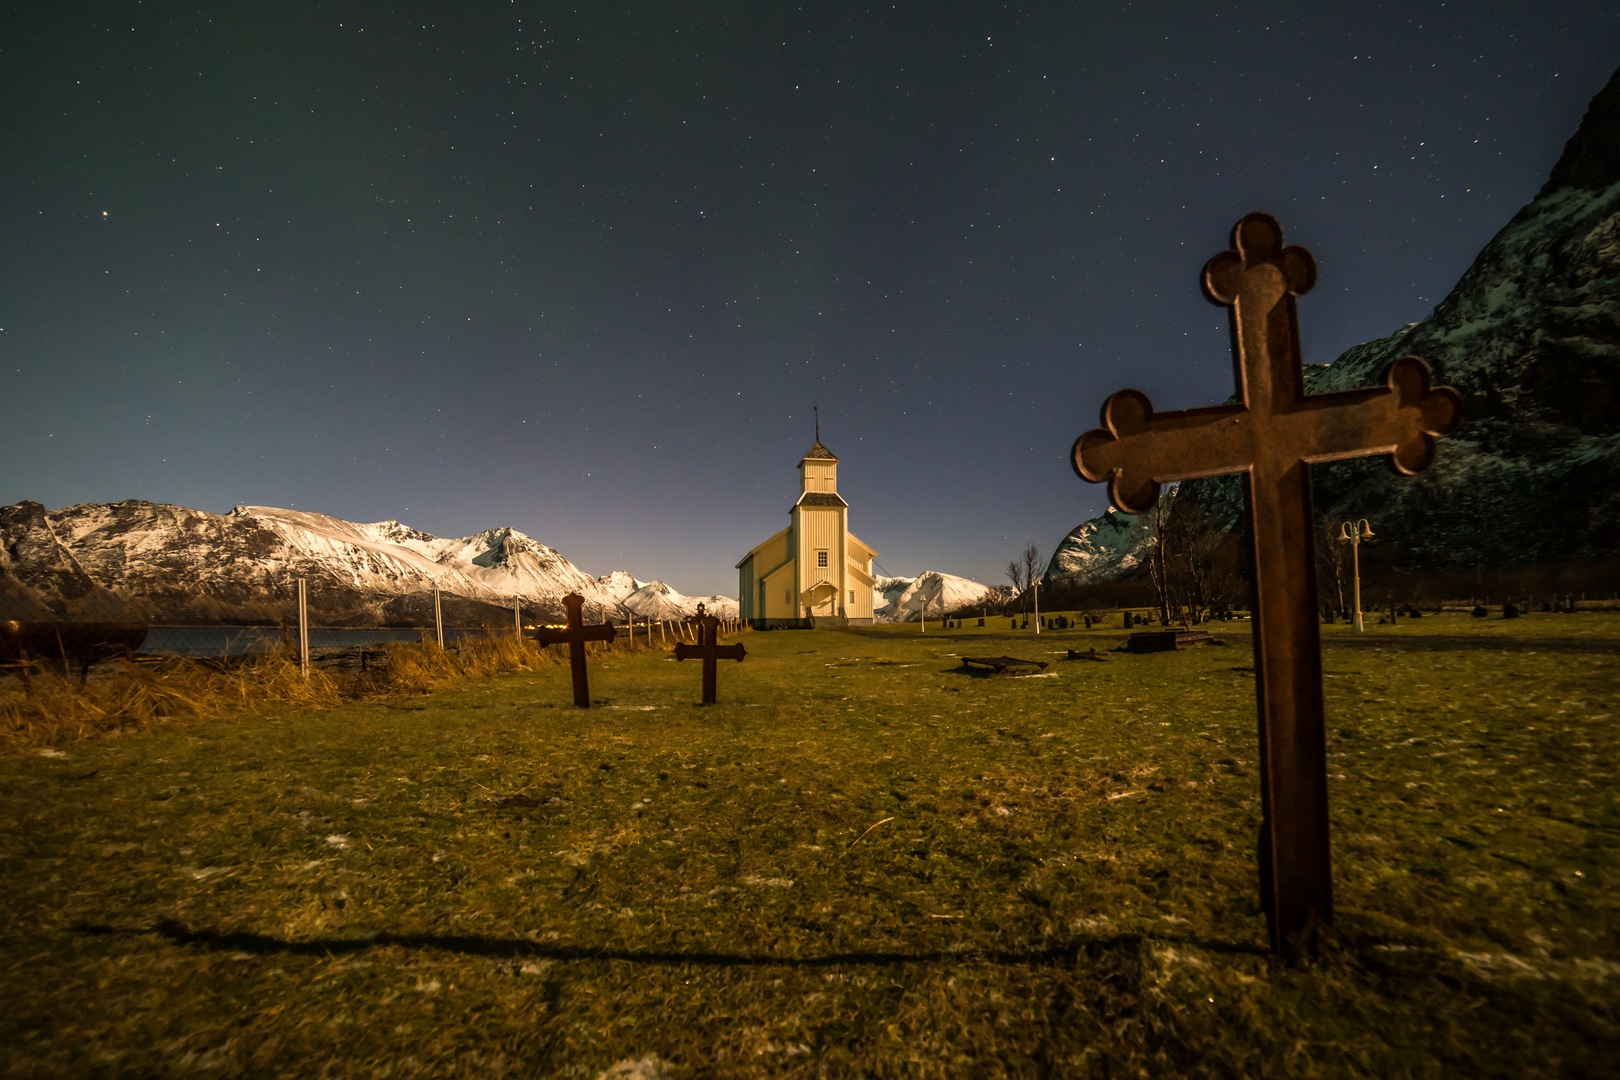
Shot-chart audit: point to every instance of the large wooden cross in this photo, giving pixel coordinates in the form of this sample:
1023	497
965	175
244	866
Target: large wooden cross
1271	438
576	635
709	652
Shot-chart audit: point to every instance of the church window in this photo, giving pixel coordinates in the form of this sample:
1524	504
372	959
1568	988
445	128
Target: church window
821	558
852	596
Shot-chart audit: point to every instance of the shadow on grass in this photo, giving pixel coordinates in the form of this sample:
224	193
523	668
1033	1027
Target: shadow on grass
516	948
1016	671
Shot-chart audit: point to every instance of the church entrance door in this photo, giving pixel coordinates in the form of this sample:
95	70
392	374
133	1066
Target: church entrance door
821	598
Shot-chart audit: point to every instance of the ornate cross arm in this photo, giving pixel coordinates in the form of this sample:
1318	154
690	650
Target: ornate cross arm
1136	450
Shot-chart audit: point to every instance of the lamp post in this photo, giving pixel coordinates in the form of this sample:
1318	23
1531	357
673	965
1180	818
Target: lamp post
1355	533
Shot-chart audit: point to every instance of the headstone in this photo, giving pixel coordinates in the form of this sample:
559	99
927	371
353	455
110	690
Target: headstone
1509	611
709	652
1130	620
1271	437
576	635
1166	640
1480	611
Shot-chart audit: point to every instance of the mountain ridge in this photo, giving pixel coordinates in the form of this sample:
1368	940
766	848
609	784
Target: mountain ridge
167	563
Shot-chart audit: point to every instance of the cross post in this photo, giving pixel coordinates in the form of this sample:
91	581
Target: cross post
1271	438
709	652
576	635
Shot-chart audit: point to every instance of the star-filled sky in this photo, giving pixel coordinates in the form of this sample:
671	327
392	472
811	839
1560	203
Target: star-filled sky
584	270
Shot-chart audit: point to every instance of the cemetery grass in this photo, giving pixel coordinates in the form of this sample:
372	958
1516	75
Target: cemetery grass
864	861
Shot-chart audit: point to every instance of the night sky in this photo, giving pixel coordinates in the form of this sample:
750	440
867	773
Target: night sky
585	272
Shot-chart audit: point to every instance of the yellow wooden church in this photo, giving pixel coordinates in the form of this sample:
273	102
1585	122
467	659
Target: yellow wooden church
815	572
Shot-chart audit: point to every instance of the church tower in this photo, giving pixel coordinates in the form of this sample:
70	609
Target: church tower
815	572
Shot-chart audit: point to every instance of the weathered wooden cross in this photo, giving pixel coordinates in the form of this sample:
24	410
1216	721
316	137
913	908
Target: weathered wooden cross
1272	438
709	652
576	635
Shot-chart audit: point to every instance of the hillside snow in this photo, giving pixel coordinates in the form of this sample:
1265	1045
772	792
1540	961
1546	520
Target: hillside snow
1101	549
902	599
656	600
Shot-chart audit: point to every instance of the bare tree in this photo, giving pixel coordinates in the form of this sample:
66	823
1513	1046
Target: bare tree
1160	524
1193	563
1204	561
1333	556
1032	569
1032	565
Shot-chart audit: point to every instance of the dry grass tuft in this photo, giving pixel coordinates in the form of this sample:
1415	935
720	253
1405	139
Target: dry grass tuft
136	697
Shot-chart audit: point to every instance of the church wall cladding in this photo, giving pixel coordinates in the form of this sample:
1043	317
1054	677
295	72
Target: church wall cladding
745	588
819	534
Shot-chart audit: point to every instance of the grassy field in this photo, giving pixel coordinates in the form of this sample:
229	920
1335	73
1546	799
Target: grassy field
864	861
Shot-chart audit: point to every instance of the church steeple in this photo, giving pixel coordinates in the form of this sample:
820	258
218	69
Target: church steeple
818	469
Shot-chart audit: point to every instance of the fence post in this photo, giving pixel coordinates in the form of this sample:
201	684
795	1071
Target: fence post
303	629
517	618
438	620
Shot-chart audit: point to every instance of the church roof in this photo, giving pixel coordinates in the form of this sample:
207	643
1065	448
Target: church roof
820	498
819	451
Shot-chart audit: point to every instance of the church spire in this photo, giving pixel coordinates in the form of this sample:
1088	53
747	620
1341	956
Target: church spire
816	449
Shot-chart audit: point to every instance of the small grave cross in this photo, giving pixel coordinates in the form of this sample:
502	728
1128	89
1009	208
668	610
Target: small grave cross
576	636
709	652
1272	437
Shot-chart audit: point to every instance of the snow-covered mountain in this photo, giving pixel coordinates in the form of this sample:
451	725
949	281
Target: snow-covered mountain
885	591
656	600
172	564
902	599
1101	549
619	584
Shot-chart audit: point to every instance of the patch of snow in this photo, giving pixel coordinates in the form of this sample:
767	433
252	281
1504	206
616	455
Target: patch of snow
1102	549
896	599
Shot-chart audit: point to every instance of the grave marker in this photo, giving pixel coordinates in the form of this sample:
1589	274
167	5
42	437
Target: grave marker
709	652
1271	438
576	635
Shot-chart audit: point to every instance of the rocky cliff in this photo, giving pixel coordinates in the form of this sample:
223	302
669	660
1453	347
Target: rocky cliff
1530	337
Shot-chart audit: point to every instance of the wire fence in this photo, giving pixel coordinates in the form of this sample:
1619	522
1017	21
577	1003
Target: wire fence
31	640
245	640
